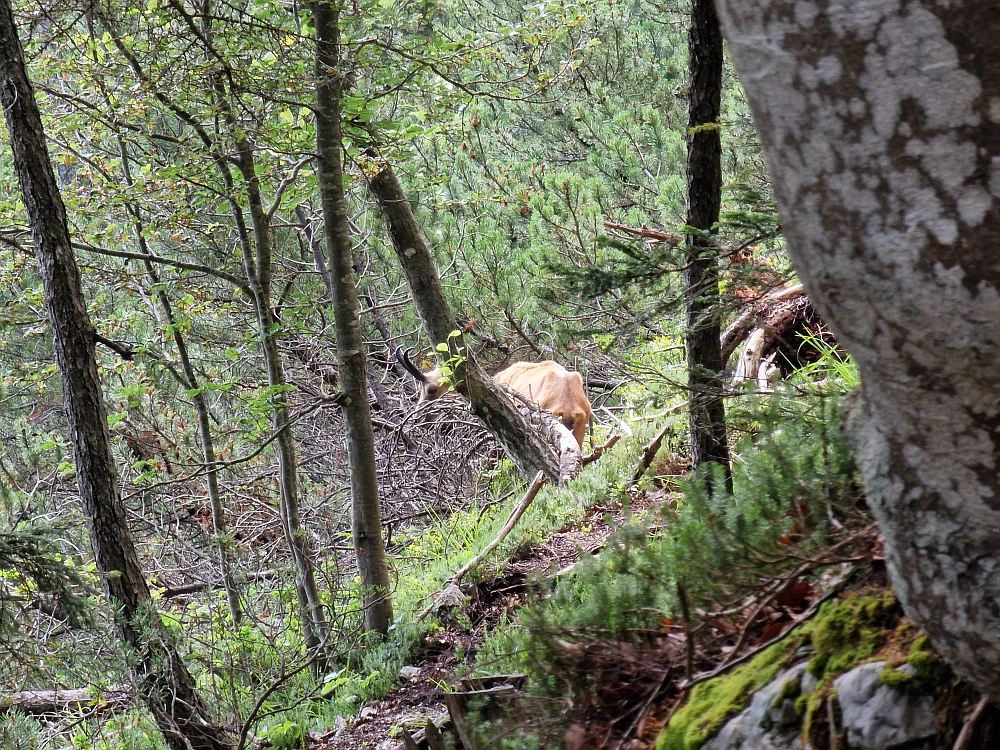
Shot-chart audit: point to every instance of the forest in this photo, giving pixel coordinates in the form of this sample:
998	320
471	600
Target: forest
474	374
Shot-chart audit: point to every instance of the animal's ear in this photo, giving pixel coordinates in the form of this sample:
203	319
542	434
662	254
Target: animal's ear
403	357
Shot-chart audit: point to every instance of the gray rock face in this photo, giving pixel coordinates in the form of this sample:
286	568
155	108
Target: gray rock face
766	724
877	716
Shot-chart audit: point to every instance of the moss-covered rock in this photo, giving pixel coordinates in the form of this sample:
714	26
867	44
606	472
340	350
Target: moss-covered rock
851	630
925	673
859	628
712	702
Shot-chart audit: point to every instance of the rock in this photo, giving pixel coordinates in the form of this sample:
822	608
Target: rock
768	723
450	608
874	716
339	726
452	596
877	716
409	673
808	683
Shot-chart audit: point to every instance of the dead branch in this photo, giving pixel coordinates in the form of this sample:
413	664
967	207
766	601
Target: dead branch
737	331
964	740
193	588
37	702
646	233
599	450
654	447
515	516
752	619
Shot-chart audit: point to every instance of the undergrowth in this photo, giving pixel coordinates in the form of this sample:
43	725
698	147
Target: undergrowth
796	493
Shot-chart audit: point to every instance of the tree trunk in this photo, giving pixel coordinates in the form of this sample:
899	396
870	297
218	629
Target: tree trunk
161	676
366	521
257	261
524	445
709	442
881	128
190	382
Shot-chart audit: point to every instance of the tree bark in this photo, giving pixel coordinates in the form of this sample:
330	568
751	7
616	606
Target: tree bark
161	676
524	445
366	521
706	384
881	128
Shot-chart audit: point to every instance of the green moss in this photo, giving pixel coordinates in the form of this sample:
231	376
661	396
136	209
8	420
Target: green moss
930	672
844	634
801	704
849	631
712	702
789	691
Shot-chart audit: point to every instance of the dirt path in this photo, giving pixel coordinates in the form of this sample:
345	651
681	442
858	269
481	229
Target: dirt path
445	652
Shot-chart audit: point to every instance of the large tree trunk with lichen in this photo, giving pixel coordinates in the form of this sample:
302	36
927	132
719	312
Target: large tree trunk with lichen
366	523
523	443
160	674
881	127
706	382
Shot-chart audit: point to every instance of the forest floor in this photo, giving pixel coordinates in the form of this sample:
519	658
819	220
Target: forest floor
447	653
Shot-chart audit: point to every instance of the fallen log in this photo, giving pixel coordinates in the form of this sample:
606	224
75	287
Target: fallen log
737	331
38	702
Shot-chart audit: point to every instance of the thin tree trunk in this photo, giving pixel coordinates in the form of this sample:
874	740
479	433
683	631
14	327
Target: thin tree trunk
306	591
161	676
191	382
879	123
526	447
257	263
366	521
709	443
257	267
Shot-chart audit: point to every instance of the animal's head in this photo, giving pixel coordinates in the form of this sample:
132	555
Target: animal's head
431	385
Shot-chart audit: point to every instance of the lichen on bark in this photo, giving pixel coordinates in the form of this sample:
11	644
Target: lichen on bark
878	122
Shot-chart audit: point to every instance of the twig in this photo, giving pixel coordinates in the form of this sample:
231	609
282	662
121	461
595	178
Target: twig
654	447
645	708
964	740
281	680
184	266
515	515
781	636
599	450
626	430
749	624
688	635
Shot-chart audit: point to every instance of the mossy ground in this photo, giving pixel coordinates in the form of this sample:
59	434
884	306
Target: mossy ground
860	627
712	702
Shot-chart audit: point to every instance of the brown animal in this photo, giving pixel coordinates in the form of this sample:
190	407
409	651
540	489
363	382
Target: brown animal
549	385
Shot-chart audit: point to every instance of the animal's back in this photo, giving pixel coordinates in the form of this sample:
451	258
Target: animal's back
553	388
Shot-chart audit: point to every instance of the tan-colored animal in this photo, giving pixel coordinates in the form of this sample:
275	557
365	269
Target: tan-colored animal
546	384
